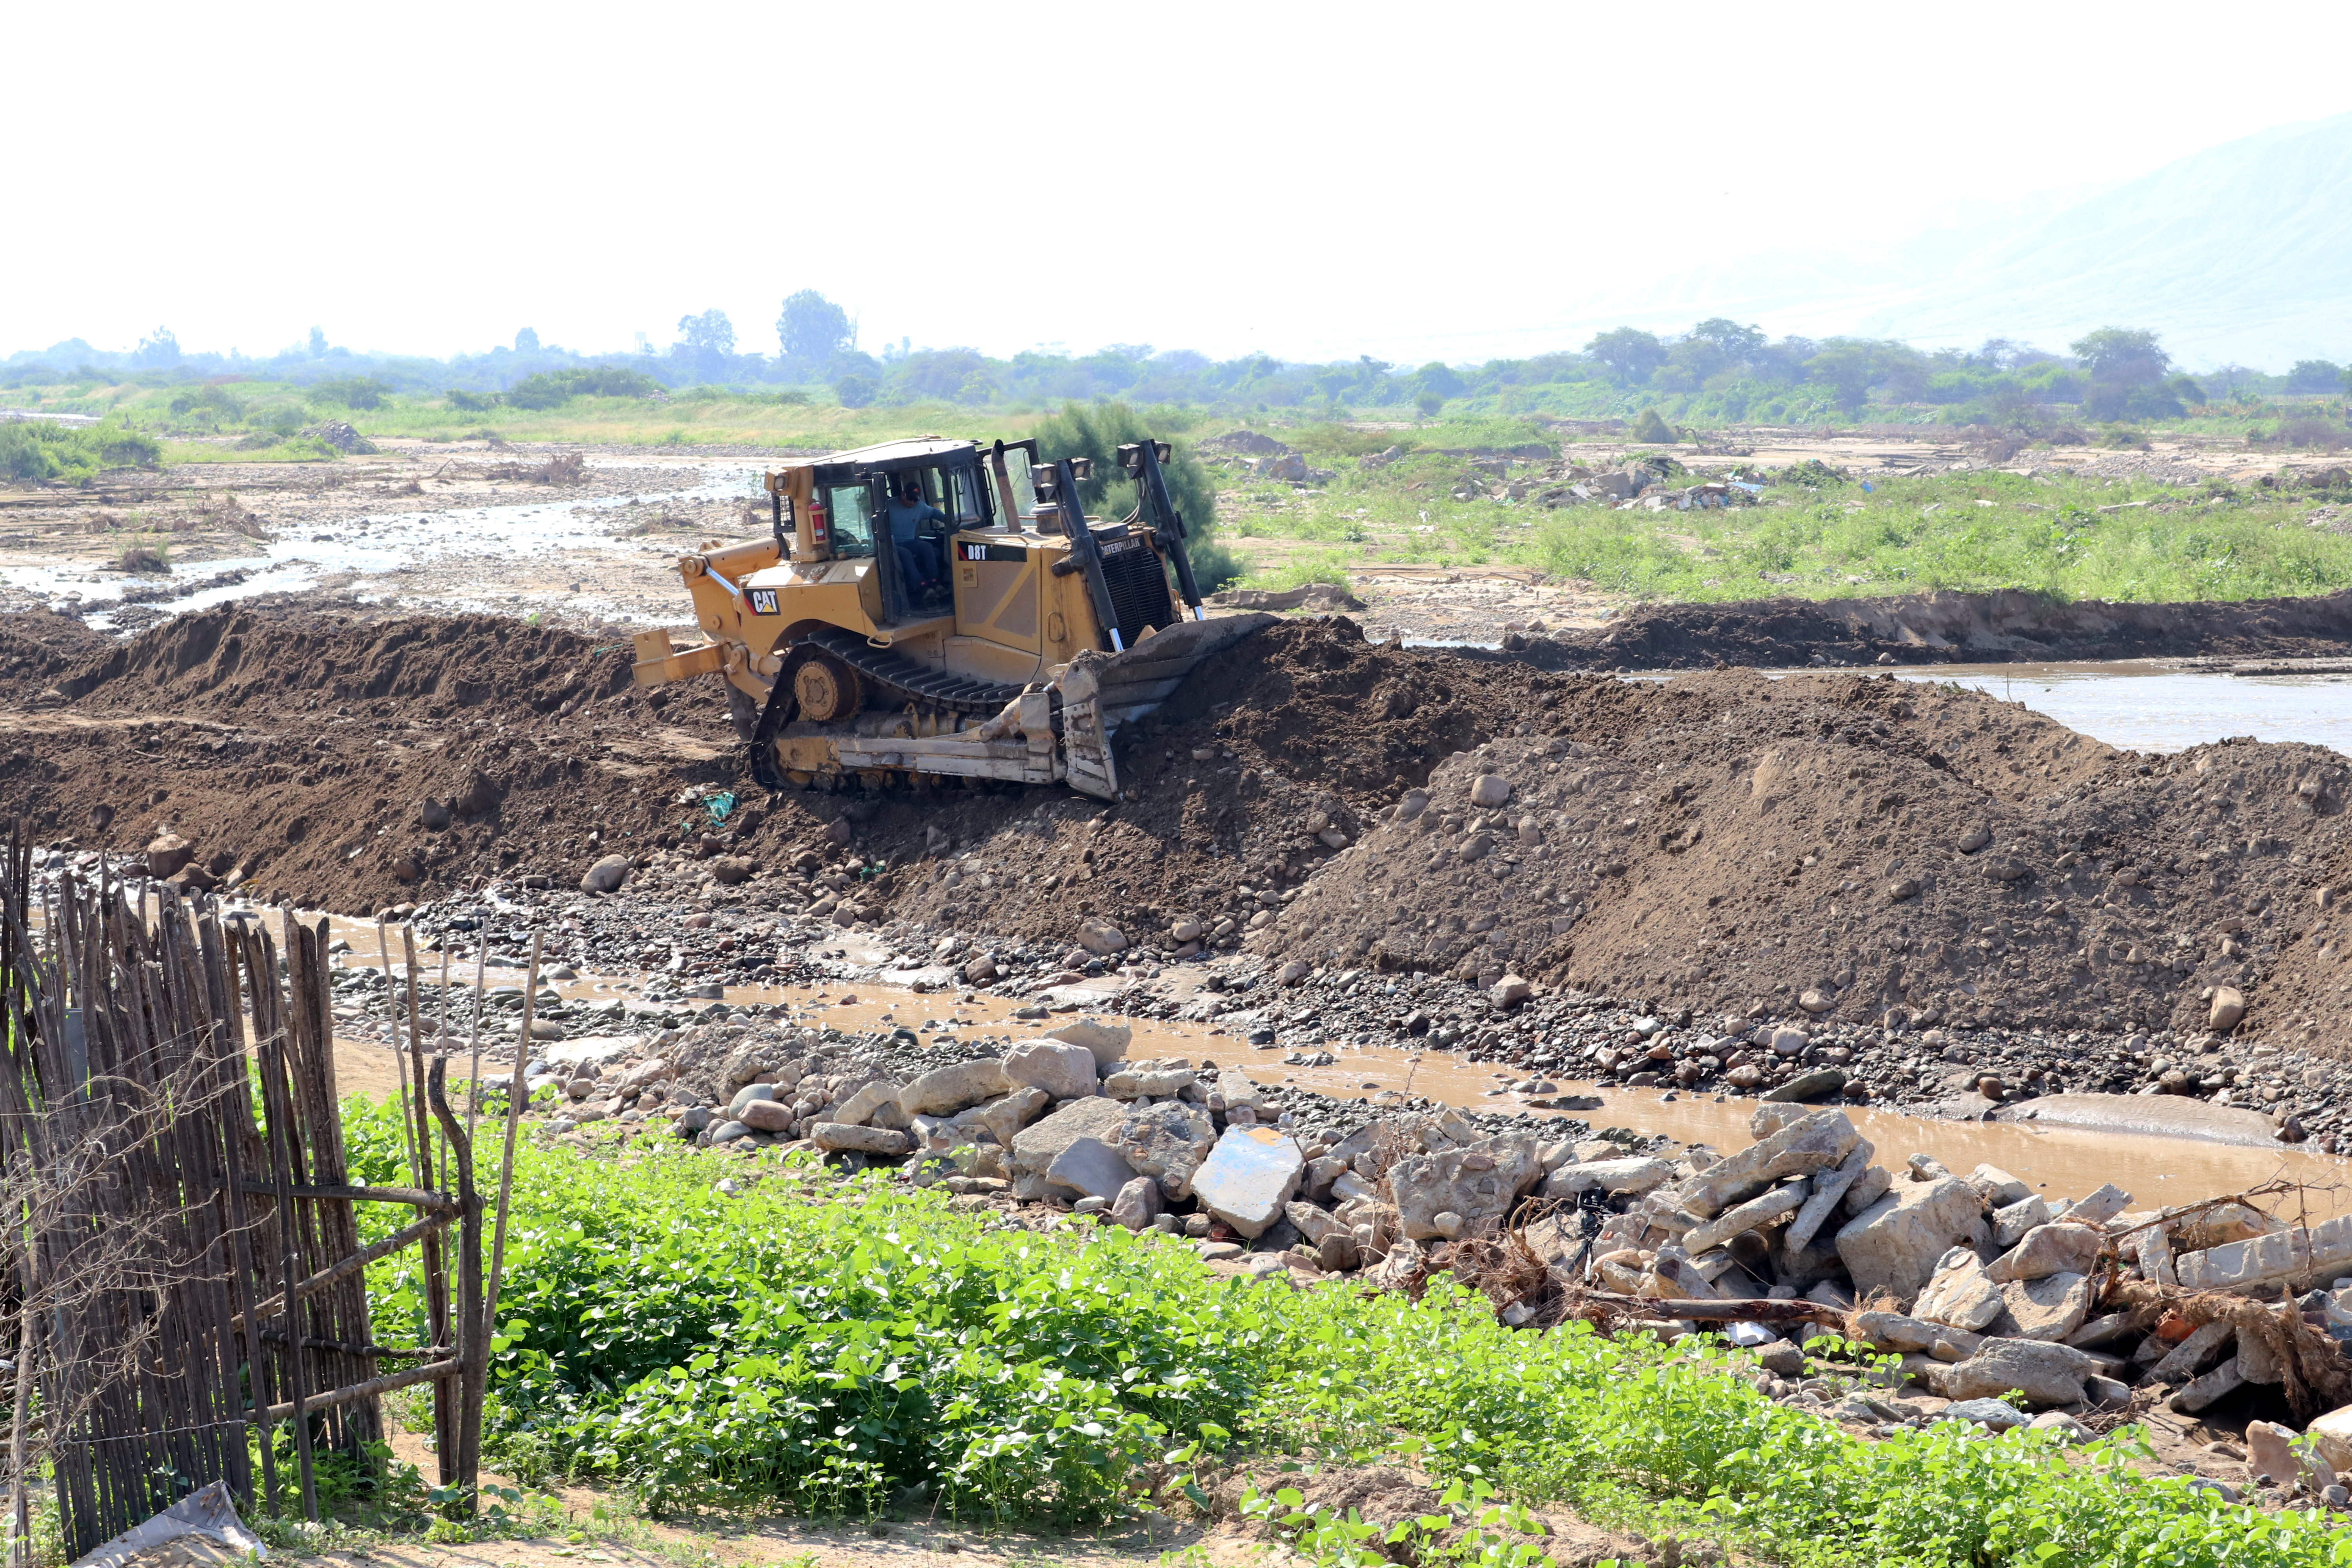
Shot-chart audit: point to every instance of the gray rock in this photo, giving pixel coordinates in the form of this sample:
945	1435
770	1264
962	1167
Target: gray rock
2049	1249
1248	1177
1237	1088
1489	791
2208	1389
1006	1118
1996	1413
2097	1208
1808	1143
2010	1224
1867	1189
1959	1295
842	1135
1168	1140
1091	1166
1063	1071
1478	1182
767	1116
727	1131
693	1119
1107	1041
1310	1222
2049	1307
2044	1373
1895	1244
1763	1210
2201	1348
1149	1083
1806	1087
1337	1253
1999	1187
747	1095
1138	1204
1038	1145
860	1107
1829	1188
1101	938
1895	1331
956	1087
606	875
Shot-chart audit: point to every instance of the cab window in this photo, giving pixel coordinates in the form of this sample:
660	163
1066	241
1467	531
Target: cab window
1024	487
964	491
852	508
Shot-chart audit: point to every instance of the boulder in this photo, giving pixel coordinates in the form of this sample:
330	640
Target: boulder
766	1116
606	875
1236	1087
728	870
1894	1245
2097	1208
2048	1249
1766	1209
2010	1224
1091	1167
2209	1389
1038	1145
1490	791
2229	1006
2049	1308
1107	1041
1509	991
1006	1118
2000	1188
167	853
2331	1435
979	969
1248	1177
1138	1204
1478	1182
2270	1452
1063	1071
1959	1294
1808	1087
865	1101
1133	1082
942	1091
1828	1188
1101	938
1996	1413
1895	1331
863	1140
2045	1373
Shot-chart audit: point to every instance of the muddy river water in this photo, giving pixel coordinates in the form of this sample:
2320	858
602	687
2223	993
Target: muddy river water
2062	1161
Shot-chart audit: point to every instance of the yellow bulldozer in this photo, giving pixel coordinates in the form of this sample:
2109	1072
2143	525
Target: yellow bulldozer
931	610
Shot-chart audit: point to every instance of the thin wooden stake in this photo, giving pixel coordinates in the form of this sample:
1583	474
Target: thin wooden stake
515	1092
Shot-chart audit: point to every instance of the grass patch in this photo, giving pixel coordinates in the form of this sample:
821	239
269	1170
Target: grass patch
852	1345
42	452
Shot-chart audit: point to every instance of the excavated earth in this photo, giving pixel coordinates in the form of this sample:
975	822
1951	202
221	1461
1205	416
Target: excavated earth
1834	848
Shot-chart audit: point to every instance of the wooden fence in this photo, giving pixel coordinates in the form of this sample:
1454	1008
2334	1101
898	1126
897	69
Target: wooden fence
187	1277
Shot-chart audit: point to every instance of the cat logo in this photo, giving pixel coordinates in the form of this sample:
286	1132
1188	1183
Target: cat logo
764	600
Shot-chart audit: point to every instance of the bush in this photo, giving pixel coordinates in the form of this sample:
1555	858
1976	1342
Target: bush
857	390
554	388
1649	425
471	402
1097	431
42	450
352	392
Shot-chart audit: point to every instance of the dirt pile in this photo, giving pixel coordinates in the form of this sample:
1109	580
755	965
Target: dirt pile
1946	629
1841	846
38	645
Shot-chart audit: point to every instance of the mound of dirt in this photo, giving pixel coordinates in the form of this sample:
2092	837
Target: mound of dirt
1947	628
38	645
1839	846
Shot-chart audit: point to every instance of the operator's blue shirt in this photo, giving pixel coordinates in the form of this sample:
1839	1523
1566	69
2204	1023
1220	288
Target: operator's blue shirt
907	522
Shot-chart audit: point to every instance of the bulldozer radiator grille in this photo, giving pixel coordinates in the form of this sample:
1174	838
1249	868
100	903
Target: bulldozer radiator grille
1139	588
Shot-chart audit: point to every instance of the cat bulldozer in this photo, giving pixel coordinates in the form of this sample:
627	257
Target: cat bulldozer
932	610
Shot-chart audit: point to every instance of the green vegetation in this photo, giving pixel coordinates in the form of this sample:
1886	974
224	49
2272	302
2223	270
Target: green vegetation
1097	432
853	1346
44	451
1815	533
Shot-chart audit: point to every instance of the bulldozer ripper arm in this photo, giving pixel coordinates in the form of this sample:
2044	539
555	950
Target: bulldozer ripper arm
1087	551
1142	461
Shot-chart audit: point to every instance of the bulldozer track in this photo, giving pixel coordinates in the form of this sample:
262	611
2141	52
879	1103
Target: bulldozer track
900	678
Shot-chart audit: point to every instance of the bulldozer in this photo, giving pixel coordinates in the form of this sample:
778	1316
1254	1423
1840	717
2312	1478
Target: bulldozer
928	611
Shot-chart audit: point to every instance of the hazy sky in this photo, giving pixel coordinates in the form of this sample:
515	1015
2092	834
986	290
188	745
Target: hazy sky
1313	180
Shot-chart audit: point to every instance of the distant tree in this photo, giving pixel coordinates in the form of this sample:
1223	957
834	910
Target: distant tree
1435	378
2187	389
1735	341
2315	376
1689	362
351	392
317	343
527	342
857	390
1427	405
2111	350
1849	367
160	349
811	329
1629	354
710	333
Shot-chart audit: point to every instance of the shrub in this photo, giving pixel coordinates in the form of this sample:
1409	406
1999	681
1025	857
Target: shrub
42	450
1650	426
857	390
1097	430
554	388
1427	405
351	392
471	402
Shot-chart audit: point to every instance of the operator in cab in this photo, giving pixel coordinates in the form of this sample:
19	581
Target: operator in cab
919	565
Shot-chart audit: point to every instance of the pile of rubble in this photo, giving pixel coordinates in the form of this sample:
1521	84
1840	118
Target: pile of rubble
1988	1291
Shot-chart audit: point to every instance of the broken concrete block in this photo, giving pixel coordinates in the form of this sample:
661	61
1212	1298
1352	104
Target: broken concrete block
861	1105
2000	1188
2046	1249
2045	1373
1635	1176
1134	1082
1090	1167
1249	1177
1478	1182
2269	1259
2209	1388
1755	1213
1006	1118
1827	1188
1815	1143
2331	1435
863	1140
2192	1355
1895	1331
2049	1307
957	1087
1895	1244
1867	1189
1063	1071
2097	1208
2010	1224
1167	1141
